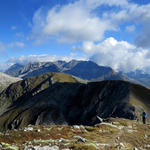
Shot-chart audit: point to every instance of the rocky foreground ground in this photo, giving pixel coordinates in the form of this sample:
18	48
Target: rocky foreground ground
111	135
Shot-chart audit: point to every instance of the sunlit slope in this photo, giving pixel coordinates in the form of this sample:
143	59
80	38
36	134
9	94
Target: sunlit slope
6	80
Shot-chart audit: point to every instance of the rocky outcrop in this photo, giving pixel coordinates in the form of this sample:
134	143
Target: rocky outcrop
56	98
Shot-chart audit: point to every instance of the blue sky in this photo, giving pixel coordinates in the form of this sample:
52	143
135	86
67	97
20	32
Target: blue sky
110	32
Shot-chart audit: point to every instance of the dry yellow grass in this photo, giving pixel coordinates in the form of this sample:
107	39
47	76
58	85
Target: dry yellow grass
116	133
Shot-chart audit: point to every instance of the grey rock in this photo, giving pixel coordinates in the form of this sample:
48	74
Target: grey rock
82	140
46	148
42	148
100	119
76	127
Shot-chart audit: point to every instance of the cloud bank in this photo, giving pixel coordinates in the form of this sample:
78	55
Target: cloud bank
71	23
120	55
41	58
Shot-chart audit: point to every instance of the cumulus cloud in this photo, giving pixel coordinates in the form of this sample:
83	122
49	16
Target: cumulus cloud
41	58
74	22
79	22
137	14
120	55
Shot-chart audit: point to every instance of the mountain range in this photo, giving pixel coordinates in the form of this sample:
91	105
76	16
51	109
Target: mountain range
58	98
86	70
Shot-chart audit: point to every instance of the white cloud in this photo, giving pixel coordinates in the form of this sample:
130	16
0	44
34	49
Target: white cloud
136	14
41	58
38	58
74	22
120	55
79	22
130	28
16	44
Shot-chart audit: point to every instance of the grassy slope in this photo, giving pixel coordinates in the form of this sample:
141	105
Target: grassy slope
140	98
117	134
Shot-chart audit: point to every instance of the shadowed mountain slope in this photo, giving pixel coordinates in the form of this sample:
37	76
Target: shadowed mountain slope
89	70
56	98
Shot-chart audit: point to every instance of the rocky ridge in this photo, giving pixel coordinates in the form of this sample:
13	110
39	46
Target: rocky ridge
57	98
86	70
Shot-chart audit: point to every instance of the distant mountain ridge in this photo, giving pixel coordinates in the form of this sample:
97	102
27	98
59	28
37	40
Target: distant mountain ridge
6	80
14	70
86	70
139	75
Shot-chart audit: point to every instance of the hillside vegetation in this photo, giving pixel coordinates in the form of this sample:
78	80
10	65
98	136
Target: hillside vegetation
115	134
